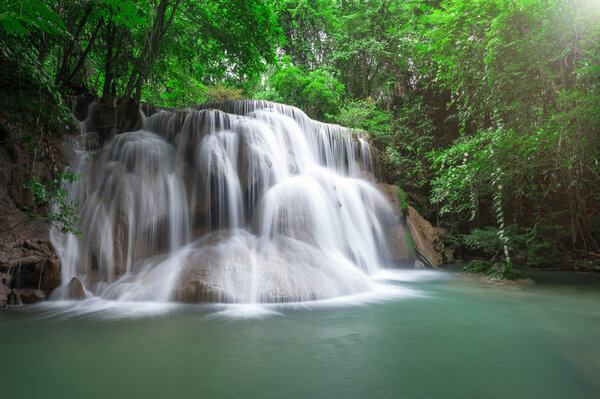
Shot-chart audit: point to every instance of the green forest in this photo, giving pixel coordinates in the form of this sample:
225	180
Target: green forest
485	113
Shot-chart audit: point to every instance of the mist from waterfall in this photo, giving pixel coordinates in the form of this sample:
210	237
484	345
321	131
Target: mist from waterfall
239	202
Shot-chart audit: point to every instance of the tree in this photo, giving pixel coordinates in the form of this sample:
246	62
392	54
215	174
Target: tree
519	75
316	92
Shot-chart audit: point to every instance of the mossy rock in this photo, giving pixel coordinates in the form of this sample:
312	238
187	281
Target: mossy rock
402	200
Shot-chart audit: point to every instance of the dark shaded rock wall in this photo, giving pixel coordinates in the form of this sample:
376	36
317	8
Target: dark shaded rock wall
29	267
27	258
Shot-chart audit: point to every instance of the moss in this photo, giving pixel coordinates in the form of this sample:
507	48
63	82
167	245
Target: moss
402	200
427	261
493	270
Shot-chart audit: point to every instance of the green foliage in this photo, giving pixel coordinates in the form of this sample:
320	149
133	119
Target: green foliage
219	92
486	240
540	245
516	71
493	270
411	244
21	18
366	116
217	40
543	244
317	92
117	47
27	89
63	210
374	41
307	25
402	200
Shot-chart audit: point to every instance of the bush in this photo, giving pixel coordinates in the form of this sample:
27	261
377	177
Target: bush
493	270
537	246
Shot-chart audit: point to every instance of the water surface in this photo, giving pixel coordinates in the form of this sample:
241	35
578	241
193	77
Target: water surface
427	334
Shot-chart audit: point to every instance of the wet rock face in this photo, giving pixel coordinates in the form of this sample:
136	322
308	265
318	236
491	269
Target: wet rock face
428	239
4	293
397	240
29	263
398	246
32	264
29	296
27	257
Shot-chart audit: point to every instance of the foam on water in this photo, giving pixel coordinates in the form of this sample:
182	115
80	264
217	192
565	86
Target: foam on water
97	308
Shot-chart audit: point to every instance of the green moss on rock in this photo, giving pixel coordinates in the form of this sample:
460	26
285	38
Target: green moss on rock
402	200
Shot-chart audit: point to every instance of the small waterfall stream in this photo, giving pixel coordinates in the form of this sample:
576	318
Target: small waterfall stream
239	202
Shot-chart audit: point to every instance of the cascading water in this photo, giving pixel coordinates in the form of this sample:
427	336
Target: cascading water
245	201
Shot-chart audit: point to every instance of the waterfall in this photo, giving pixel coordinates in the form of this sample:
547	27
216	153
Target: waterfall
240	201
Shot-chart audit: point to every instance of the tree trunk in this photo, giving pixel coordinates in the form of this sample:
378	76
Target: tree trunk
139	72
108	66
85	53
62	71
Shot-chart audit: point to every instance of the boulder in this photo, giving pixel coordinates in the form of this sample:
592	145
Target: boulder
76	290
30	296
192	290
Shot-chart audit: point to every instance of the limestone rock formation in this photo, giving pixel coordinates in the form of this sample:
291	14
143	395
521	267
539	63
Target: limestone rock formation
428	239
32	262
27	257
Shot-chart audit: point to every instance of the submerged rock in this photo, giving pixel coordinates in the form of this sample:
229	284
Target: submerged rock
76	290
242	268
